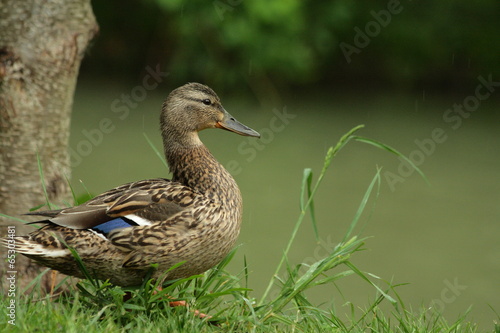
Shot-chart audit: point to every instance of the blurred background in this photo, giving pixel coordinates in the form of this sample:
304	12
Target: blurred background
422	76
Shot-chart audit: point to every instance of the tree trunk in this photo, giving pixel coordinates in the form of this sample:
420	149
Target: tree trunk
41	46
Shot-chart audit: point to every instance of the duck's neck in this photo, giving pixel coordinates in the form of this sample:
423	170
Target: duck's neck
194	166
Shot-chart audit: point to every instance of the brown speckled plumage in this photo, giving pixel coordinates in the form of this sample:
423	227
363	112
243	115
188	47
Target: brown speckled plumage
195	217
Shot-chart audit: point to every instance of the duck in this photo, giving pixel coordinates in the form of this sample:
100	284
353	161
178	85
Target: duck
174	228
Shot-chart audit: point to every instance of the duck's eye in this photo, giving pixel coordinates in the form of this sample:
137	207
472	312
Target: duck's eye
206	101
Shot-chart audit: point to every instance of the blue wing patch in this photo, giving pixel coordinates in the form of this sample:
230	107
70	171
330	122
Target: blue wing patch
118	223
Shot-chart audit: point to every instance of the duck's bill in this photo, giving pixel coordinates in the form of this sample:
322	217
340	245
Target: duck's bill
229	123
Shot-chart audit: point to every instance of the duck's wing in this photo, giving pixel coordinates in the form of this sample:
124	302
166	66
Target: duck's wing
132	204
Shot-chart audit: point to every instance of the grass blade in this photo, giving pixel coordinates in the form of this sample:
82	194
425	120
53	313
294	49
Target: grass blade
362	205
328	159
157	152
383	146
306	187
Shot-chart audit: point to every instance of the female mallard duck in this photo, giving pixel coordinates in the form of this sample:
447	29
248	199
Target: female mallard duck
194	218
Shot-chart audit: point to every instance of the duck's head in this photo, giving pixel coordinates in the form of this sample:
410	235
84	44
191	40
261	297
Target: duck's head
194	107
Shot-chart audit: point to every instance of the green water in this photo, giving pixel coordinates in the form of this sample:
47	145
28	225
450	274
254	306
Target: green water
442	239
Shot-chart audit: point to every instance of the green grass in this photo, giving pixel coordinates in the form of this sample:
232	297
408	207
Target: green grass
97	306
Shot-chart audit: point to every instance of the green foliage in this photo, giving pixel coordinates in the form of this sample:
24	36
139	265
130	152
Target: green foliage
227	42
233	40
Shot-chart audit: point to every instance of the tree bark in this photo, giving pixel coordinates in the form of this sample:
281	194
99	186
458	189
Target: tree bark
41	46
